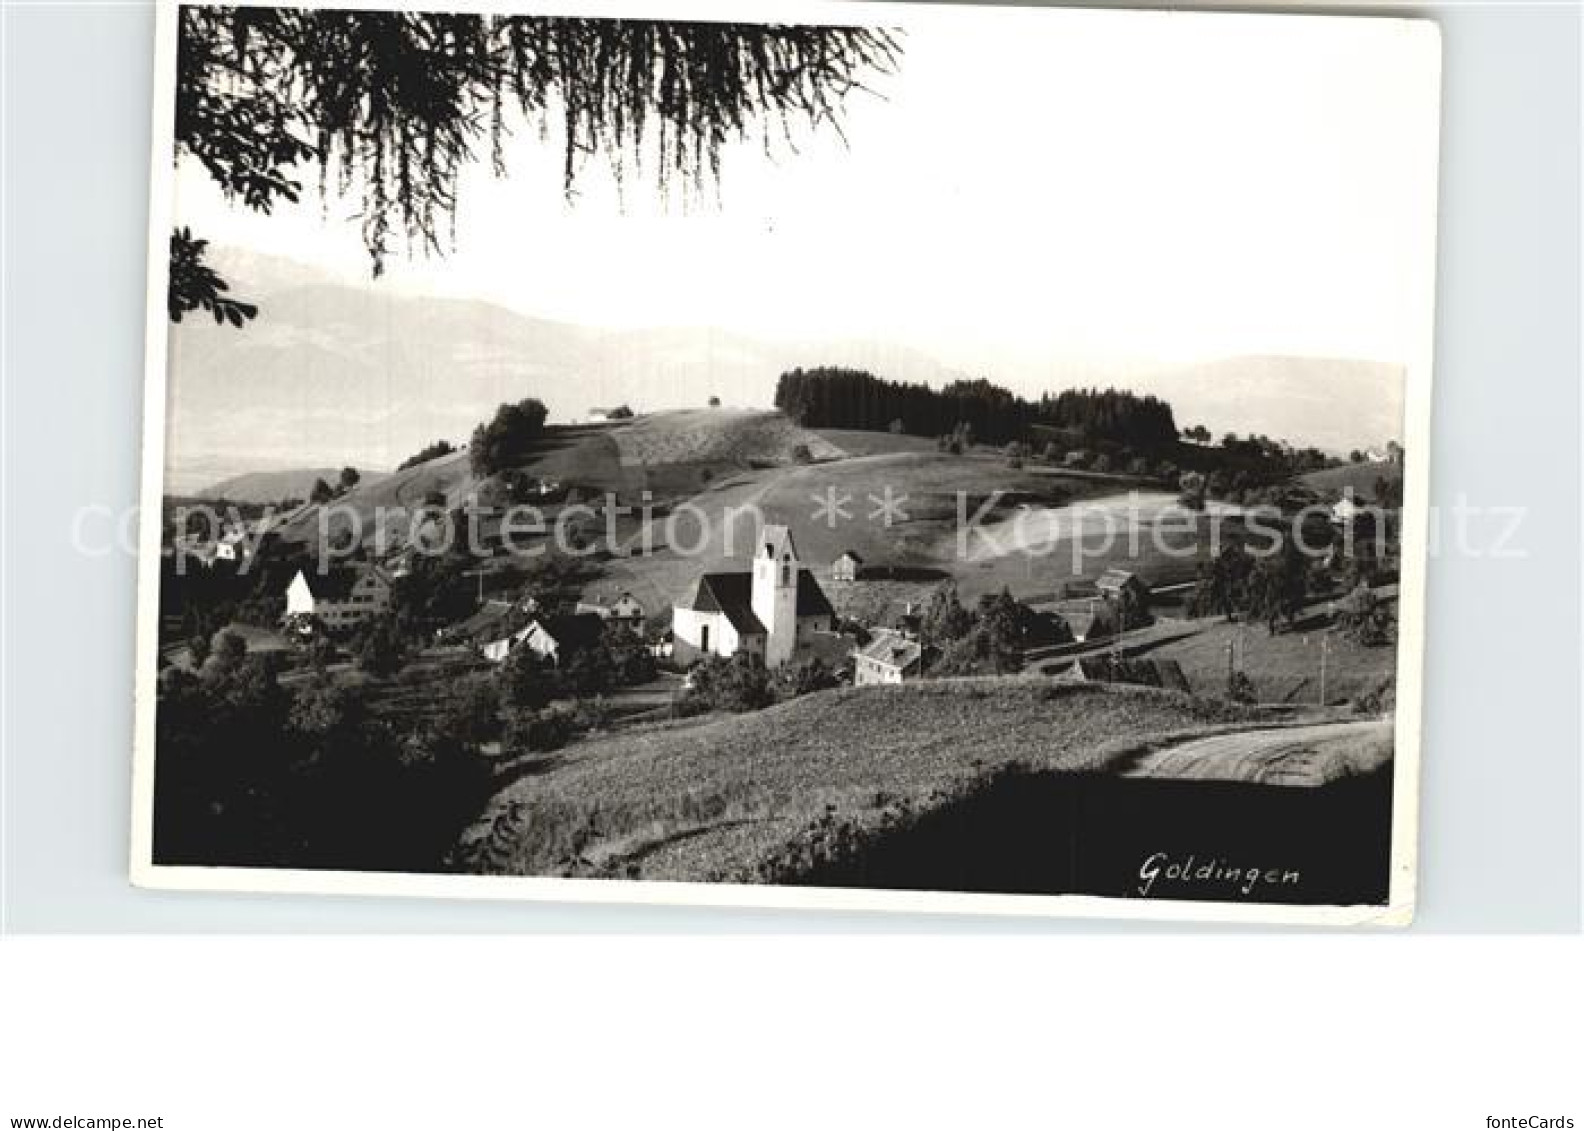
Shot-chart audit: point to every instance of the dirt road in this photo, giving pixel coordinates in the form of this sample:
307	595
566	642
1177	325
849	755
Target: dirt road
1311	755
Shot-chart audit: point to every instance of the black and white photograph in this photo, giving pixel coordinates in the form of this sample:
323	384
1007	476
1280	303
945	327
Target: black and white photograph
853	455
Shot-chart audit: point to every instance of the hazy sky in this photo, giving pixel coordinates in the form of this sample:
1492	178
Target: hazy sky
1037	188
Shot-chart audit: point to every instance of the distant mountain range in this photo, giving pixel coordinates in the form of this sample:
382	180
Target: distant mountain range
274	486
339	373
1331	404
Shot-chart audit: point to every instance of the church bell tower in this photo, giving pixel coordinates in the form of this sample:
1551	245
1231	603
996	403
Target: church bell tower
775	587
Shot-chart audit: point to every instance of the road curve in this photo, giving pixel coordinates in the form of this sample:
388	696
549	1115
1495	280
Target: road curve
1311	755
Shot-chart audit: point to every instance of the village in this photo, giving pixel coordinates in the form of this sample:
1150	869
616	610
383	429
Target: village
610	648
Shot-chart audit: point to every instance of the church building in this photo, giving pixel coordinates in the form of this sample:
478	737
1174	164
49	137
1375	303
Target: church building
769	611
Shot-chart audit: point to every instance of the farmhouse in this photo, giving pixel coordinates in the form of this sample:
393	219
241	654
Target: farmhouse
342	596
609	415
769	612
1122	585
889	658
555	639
1345	510
233	545
623	610
846	567
497	650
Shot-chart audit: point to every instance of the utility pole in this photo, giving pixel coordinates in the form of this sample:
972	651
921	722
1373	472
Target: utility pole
478	573
1325	647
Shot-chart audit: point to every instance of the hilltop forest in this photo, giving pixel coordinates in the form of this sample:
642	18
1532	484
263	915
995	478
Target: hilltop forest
853	398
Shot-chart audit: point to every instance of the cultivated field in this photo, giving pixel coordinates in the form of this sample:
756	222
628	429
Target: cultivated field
717	435
735	798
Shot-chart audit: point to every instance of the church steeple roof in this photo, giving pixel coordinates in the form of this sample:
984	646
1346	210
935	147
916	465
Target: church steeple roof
777	542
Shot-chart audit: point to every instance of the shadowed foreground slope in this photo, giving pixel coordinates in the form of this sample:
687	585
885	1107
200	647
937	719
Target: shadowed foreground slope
1008	785
726	798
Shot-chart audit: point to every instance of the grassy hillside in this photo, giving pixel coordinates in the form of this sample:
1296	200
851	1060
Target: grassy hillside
1360	477
727	798
922	536
859	443
671	455
1284	668
717	435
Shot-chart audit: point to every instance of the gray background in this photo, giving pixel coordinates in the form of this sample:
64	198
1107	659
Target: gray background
1501	793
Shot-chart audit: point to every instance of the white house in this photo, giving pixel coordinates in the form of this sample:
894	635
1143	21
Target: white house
846	567
1345	510
233	545
768	612
550	638
496	651
889	658
342	596
623	610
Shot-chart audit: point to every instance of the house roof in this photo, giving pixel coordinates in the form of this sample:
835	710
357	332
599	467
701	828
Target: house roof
849	556
729	593
601	601
1117	579
335	584
893	651
811	599
572	631
1145	672
732	594
486	620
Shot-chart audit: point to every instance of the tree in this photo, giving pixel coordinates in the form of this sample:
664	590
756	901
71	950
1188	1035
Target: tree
1191	488
944	619
1355	456
714	402
473	715
194	285
590	670
1278	585
382	651
801	454
1240	688
230	649
505	441
1008	625
1365	618
433	451
348	479
1222	585
1016	453
322	493
523	681
393	106
804	677
718	683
